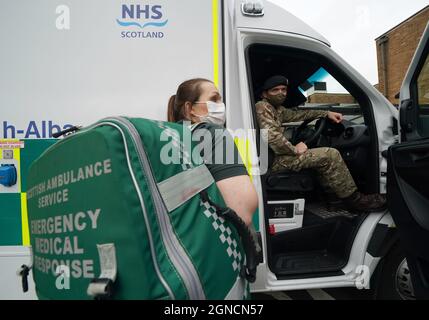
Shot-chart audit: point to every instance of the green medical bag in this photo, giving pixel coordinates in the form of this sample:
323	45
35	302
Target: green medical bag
124	209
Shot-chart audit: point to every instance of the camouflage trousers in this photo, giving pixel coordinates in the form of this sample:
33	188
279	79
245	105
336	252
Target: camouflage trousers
331	170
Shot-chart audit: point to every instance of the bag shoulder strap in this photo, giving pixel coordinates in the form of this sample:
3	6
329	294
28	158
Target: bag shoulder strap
194	126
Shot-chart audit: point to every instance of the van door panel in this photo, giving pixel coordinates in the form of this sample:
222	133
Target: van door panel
408	171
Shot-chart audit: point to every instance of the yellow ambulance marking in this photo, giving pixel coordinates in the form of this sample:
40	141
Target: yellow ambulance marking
243	146
24	214
215	12
245	150
24	219
17	157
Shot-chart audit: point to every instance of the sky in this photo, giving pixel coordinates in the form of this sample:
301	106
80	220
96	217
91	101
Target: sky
353	25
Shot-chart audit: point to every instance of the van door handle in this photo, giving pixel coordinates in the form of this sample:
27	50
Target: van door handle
419	156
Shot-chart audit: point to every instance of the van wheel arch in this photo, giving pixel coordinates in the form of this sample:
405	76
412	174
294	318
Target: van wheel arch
391	280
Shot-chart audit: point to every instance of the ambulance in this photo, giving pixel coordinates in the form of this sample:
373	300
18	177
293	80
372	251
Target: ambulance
71	63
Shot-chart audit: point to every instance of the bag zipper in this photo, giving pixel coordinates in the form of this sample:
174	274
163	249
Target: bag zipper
176	252
106	122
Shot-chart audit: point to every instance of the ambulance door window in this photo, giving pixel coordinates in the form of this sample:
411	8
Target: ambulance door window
423	99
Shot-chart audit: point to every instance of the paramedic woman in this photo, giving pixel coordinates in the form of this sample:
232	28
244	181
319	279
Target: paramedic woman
199	103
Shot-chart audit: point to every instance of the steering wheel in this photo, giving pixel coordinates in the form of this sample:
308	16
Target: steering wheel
320	126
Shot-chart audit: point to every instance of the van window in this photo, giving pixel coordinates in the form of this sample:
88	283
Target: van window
317	82
423	99
323	91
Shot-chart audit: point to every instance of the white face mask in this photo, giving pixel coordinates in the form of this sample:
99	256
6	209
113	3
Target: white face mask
216	114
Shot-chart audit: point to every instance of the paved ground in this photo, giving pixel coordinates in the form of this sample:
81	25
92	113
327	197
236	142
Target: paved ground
316	294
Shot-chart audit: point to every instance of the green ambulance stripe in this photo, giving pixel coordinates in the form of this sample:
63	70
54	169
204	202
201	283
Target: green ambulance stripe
14	229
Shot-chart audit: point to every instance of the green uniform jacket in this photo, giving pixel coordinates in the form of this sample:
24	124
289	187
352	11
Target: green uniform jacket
271	119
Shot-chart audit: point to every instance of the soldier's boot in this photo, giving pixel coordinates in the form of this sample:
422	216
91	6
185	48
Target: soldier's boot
359	202
332	202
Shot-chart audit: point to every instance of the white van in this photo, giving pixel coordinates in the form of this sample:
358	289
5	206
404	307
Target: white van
75	63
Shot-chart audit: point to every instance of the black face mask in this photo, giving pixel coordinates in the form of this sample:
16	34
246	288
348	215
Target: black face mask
276	100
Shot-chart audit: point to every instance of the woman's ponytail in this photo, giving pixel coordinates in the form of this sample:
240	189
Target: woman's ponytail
171	113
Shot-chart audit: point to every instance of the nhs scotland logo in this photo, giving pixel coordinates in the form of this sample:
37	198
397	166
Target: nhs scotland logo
139	21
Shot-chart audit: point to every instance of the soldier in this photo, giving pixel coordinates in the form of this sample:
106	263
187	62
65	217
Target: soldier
331	170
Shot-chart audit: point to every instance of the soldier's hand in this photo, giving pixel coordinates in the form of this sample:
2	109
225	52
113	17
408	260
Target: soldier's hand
301	148
335	117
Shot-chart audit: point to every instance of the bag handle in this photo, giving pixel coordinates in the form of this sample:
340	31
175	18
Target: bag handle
248	238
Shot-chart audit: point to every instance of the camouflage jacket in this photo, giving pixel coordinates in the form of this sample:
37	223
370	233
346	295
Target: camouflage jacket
271	119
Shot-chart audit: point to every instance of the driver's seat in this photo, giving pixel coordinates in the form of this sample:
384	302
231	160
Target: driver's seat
288	180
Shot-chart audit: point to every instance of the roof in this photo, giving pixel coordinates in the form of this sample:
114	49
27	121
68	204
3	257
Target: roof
403	22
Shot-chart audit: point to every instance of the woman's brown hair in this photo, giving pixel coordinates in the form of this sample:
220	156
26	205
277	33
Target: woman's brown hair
188	91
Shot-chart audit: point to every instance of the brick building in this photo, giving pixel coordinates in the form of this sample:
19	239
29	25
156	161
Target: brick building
395	50
331	98
318	94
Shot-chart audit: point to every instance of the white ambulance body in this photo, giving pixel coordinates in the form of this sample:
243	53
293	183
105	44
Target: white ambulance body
69	63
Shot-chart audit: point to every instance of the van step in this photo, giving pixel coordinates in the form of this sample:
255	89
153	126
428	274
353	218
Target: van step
307	262
323	212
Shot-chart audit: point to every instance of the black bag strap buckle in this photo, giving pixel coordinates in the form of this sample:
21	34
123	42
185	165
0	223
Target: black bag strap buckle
67	132
102	288
24	272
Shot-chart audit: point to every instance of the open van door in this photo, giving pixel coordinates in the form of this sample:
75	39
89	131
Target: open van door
408	171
